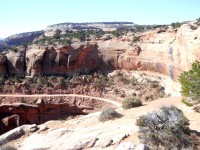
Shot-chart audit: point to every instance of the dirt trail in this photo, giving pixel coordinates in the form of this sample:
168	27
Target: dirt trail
117	104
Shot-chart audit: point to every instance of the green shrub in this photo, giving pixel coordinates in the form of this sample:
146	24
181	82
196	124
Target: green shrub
8	148
176	25
148	98
136	38
116	91
134	94
161	88
193	27
168	128
131	103
122	95
2	79
154	84
198	20
14	49
190	82
186	102
133	81
119	74
124	80
108	114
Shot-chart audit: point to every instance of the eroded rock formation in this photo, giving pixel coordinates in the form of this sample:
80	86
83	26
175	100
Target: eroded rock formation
168	51
17	114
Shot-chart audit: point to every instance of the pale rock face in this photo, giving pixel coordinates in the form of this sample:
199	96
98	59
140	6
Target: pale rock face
16	61
126	146
105	26
15	133
141	147
34	61
18	39
171	52
98	136
61	61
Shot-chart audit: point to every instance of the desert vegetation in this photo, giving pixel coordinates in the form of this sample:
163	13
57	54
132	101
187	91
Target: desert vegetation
8	148
165	129
190	84
176	25
118	85
67	37
142	89
52	84
131	102
108	114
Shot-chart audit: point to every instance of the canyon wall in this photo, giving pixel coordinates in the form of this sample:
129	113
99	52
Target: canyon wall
167	51
37	111
18	39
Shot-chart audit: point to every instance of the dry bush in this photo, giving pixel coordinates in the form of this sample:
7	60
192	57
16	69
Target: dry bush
168	129
131	103
109	114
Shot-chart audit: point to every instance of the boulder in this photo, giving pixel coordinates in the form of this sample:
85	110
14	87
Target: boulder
40	101
10	122
197	108
15	133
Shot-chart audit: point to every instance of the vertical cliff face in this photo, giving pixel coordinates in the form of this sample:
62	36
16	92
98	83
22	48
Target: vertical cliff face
16	64
171	52
34	61
3	68
21	38
61	61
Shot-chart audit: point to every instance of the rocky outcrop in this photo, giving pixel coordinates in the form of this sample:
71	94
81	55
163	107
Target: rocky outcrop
86	132
86	136
170	52
89	26
3	65
34	61
15	133
16	64
17	114
3	44
18	39
62	61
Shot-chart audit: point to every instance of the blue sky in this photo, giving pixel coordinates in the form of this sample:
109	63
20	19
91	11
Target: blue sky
29	15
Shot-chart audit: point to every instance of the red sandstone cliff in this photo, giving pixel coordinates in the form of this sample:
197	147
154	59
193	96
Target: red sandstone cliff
168	51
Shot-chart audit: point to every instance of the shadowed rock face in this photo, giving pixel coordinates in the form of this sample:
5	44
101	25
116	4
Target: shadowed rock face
165	51
15	62
19	39
3	68
17	114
